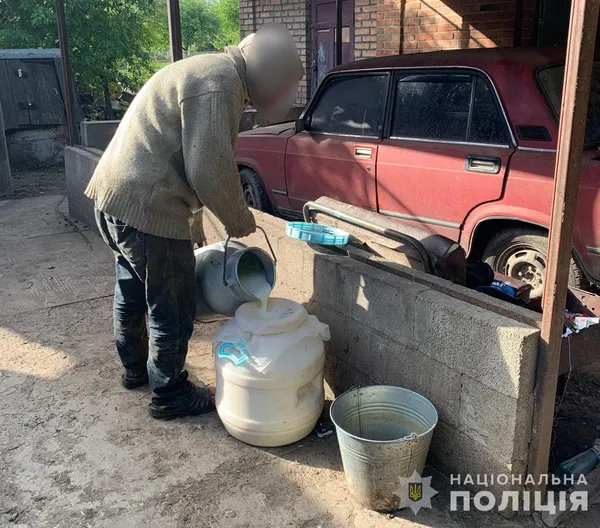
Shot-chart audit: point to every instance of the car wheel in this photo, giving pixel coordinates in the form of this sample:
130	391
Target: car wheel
521	254
255	193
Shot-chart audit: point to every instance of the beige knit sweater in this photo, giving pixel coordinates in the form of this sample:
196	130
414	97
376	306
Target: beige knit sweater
173	151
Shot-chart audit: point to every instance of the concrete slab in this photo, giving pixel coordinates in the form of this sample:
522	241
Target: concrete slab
78	448
503	351
39	271
33	217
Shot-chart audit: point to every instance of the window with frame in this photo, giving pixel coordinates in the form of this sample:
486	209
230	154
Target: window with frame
351	106
447	107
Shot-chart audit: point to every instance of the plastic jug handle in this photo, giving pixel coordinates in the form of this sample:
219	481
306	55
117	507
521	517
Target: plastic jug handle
225	254
235	359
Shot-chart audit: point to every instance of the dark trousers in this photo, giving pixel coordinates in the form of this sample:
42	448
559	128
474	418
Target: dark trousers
154	302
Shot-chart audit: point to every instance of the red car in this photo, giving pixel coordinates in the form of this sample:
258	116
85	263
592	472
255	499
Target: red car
461	142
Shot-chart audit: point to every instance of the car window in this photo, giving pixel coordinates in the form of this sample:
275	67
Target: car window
351	105
443	107
487	123
551	82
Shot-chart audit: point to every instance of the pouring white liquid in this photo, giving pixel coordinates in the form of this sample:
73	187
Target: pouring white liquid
255	283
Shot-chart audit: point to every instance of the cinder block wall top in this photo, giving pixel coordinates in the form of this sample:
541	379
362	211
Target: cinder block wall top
475	366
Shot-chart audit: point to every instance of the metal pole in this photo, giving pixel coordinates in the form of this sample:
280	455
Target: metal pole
66	67
576	91
175	30
338	31
5	180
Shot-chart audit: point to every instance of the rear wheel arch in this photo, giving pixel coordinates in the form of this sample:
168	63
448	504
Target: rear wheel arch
506	243
486	230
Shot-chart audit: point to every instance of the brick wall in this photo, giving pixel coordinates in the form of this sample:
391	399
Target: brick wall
413	26
293	13
389	27
365	28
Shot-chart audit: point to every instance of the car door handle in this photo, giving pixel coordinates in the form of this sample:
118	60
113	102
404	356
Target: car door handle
363	153
486	164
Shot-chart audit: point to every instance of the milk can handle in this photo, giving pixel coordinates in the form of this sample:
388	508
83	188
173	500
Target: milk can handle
225	253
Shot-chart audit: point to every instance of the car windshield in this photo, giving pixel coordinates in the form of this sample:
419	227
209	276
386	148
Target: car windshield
551	81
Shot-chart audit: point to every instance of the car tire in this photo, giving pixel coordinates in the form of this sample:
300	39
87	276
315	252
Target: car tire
254	190
521	254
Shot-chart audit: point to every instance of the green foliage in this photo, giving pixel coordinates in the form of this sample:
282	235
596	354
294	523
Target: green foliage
113	41
228	14
199	25
108	39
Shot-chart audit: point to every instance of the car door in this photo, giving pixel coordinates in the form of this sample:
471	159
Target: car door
335	155
447	150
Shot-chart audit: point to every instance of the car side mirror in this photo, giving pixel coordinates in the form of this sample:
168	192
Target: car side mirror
300	126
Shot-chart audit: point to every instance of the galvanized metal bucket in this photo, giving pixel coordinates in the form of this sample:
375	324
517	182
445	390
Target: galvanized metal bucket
384	433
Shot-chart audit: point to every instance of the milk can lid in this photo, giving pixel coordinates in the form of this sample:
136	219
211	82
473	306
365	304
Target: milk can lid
282	315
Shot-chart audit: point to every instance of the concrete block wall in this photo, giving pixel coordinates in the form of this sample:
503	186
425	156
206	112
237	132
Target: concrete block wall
36	146
476	367
98	134
80	164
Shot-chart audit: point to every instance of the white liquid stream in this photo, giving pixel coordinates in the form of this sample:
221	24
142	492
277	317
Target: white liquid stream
255	283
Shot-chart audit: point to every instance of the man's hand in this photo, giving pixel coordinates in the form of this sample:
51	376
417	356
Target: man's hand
244	226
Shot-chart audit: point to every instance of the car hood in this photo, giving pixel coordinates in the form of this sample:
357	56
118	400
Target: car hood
282	129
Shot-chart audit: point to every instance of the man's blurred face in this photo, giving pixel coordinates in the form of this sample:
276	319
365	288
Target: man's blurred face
273	70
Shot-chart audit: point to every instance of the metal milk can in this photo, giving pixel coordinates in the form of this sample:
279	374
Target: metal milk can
220	293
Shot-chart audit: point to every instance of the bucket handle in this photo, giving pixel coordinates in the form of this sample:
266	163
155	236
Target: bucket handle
225	253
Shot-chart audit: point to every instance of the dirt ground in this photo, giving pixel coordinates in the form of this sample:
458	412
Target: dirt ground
77	450
38	181
577	423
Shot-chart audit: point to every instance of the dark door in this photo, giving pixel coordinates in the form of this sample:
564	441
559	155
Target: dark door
323	37
31	94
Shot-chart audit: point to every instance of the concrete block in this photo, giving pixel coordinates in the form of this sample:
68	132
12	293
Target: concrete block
82	210
328	281
80	164
340	376
502	353
457	454
36	146
379	300
496	421
98	134
395	364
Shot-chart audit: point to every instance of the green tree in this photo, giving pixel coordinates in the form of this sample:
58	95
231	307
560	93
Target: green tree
199	25
109	40
228	14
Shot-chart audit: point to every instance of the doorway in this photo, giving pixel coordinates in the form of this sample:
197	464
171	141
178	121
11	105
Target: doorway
323	37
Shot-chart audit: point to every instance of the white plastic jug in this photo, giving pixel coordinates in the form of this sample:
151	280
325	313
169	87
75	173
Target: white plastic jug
269	370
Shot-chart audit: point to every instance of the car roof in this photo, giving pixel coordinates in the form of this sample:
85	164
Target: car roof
487	59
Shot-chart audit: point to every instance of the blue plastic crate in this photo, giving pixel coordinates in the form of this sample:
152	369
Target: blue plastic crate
317	233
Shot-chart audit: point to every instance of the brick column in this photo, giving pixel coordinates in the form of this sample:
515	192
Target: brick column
365	28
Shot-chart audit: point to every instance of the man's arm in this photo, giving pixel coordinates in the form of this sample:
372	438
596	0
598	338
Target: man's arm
209	133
